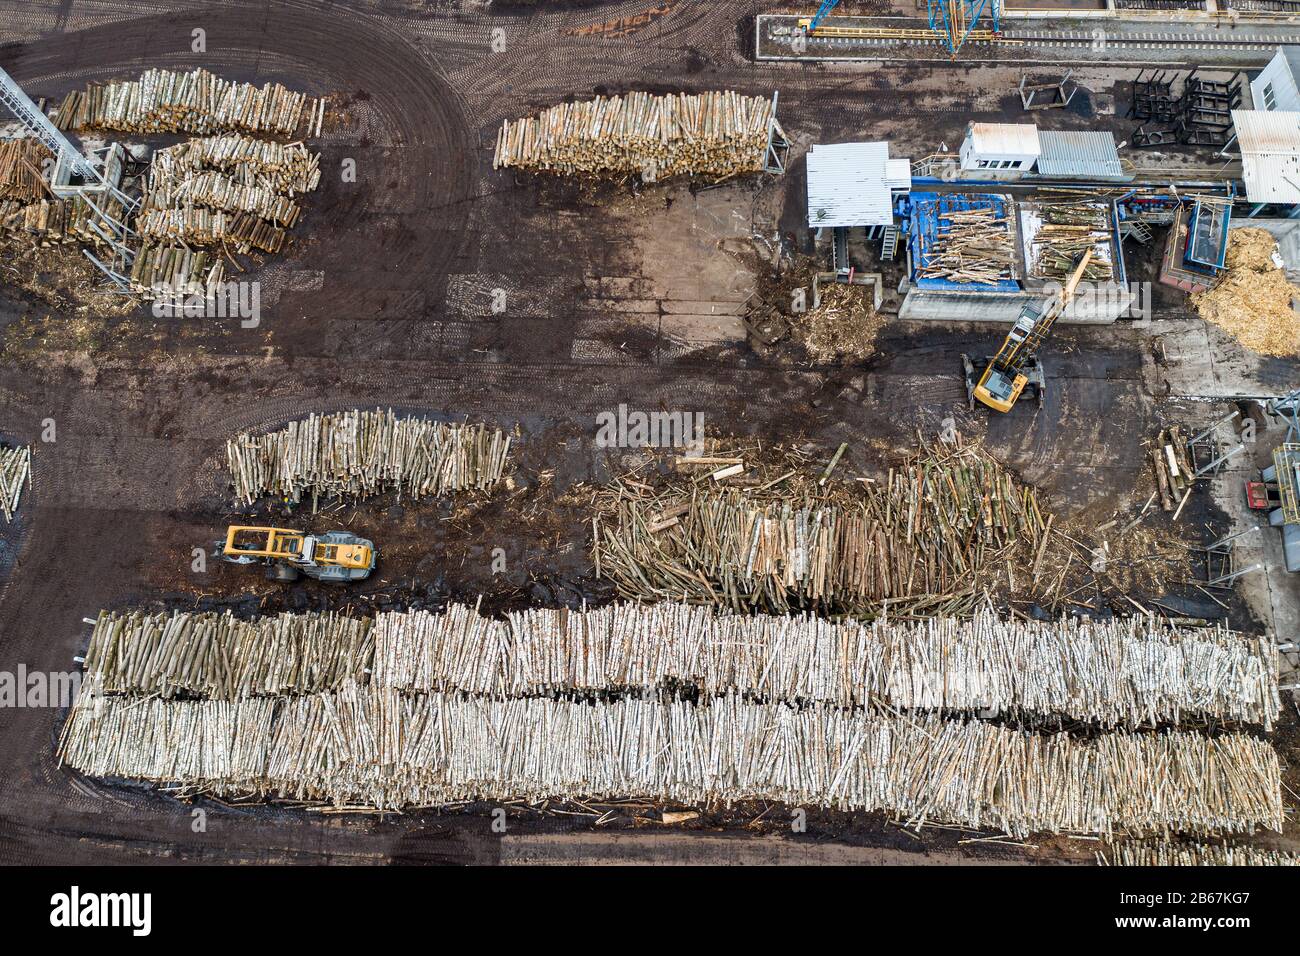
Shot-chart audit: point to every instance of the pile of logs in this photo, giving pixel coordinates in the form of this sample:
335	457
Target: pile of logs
1193	853
164	270
716	134
15	471
49	221
21	162
366	746
360	453
218	656
165	101
198	226
1068	231
1174	468
1120	672
219	191
970	245
285	168
926	538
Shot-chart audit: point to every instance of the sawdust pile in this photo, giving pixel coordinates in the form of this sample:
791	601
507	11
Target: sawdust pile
1252	299
844	325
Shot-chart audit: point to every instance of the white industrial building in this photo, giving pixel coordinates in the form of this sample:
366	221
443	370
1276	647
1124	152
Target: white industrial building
1009	151
1000	150
1270	157
853	184
1275	89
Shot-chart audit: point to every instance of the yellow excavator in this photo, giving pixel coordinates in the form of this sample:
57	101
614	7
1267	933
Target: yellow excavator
338	557
1002	378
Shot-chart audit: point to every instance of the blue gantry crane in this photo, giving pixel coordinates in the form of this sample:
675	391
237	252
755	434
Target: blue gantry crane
955	21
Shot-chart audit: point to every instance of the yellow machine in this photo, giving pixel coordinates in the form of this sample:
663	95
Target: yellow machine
337	557
1006	374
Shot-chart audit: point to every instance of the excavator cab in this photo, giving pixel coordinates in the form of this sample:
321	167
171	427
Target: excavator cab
337	557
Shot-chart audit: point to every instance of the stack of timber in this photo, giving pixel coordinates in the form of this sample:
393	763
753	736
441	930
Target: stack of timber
164	270
218	656
285	168
21	164
198	226
219	191
361	453
1129	672
366	746
971	245
1068	231
165	101
1193	853
50	221
15	471
927	538
1173	467
715	134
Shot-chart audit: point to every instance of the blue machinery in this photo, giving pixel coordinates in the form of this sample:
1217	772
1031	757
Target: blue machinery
953	20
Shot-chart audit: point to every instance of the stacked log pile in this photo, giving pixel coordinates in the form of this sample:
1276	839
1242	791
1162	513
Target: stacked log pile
227	189
971	245
376	747
218	656
166	101
163	270
927	537
1121	672
1069	230
360	453
716	134
21	162
1194	853
15	471
49	221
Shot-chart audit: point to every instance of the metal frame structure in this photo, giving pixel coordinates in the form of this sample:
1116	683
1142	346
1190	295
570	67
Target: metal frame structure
955	21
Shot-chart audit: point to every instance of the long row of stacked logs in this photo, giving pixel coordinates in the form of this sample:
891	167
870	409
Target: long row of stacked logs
717	134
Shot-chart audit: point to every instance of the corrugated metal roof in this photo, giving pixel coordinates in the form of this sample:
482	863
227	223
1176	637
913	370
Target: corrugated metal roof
1078	153
898	173
1267	131
1270	154
849	185
1005	139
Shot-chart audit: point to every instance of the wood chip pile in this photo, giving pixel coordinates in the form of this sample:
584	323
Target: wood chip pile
1121	672
360	453
842	325
1252	299
376	747
165	101
21	165
926	537
15	471
1168	853
714	134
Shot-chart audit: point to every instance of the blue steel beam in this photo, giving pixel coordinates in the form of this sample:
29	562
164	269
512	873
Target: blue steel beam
823	12
973	11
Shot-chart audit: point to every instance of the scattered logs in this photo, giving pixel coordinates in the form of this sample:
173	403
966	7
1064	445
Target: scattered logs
15	471
1193	853
21	164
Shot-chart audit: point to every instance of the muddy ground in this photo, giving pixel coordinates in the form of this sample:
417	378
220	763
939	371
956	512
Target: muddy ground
614	295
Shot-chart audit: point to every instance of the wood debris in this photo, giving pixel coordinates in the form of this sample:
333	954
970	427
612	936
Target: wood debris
714	134
843	325
360	453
